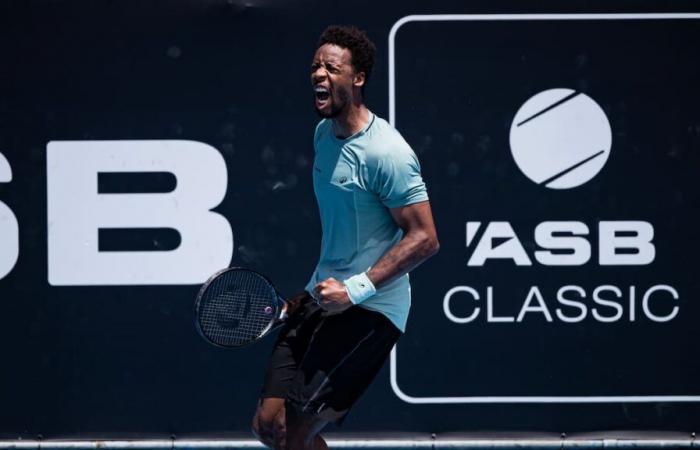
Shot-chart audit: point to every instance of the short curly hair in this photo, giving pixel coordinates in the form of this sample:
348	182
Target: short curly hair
362	50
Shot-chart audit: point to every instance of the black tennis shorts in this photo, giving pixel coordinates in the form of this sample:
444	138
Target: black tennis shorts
321	364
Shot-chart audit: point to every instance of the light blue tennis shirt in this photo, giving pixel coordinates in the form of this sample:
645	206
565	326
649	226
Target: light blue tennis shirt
356	181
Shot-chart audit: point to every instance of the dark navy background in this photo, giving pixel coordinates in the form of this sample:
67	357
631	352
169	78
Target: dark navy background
461	134
80	361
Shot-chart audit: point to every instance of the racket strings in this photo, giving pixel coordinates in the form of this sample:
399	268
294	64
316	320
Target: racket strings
237	308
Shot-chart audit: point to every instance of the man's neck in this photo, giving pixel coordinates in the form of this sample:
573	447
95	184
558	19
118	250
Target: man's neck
351	121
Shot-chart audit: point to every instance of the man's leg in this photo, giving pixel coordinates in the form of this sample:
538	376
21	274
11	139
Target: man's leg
281	431
340	358
303	430
269	422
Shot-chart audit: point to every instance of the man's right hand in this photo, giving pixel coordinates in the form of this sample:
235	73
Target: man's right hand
296	301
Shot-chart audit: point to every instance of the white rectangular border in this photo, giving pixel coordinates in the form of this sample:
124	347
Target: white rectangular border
392	119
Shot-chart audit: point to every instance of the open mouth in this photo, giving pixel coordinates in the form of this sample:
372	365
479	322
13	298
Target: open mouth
322	94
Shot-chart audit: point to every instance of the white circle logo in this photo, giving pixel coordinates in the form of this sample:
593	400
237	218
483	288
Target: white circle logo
560	138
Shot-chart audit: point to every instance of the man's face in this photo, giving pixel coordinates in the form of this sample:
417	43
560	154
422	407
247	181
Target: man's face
332	77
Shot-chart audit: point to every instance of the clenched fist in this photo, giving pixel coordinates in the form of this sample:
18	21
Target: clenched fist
332	296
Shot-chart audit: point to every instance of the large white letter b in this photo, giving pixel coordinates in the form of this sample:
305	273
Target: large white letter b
76	212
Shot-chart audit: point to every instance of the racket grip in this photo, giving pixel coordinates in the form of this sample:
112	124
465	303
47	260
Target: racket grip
296	302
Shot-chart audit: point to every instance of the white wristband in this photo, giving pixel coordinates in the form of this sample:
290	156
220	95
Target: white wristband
359	288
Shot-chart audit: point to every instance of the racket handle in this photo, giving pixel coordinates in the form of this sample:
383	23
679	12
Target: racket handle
295	303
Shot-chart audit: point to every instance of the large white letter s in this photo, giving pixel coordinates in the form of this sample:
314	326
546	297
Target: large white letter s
9	228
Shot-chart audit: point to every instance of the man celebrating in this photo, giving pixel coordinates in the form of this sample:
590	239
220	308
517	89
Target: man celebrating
377	226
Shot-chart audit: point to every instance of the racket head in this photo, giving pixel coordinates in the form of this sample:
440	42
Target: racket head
235	307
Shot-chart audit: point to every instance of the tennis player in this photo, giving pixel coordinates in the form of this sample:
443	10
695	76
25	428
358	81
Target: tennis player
377	226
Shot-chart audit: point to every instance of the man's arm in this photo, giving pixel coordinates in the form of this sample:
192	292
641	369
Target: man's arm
418	244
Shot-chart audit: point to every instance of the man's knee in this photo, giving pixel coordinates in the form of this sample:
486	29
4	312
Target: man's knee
302	428
270	432
256	427
269	423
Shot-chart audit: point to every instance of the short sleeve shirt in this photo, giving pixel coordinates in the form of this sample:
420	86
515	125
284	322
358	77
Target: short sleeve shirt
356	181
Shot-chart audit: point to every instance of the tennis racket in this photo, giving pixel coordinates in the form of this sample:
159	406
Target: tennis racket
237	306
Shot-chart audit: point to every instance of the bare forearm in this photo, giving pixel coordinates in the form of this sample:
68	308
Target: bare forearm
405	256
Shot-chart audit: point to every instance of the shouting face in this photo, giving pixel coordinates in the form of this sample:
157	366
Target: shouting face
333	78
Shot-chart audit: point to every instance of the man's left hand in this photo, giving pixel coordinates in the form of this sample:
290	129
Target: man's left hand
332	296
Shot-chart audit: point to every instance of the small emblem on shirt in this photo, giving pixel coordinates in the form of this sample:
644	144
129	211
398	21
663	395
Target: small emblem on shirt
342	180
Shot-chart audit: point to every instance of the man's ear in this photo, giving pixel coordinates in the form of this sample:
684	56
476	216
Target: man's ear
359	79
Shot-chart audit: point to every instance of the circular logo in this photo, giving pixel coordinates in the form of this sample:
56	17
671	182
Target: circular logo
560	138
5	170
